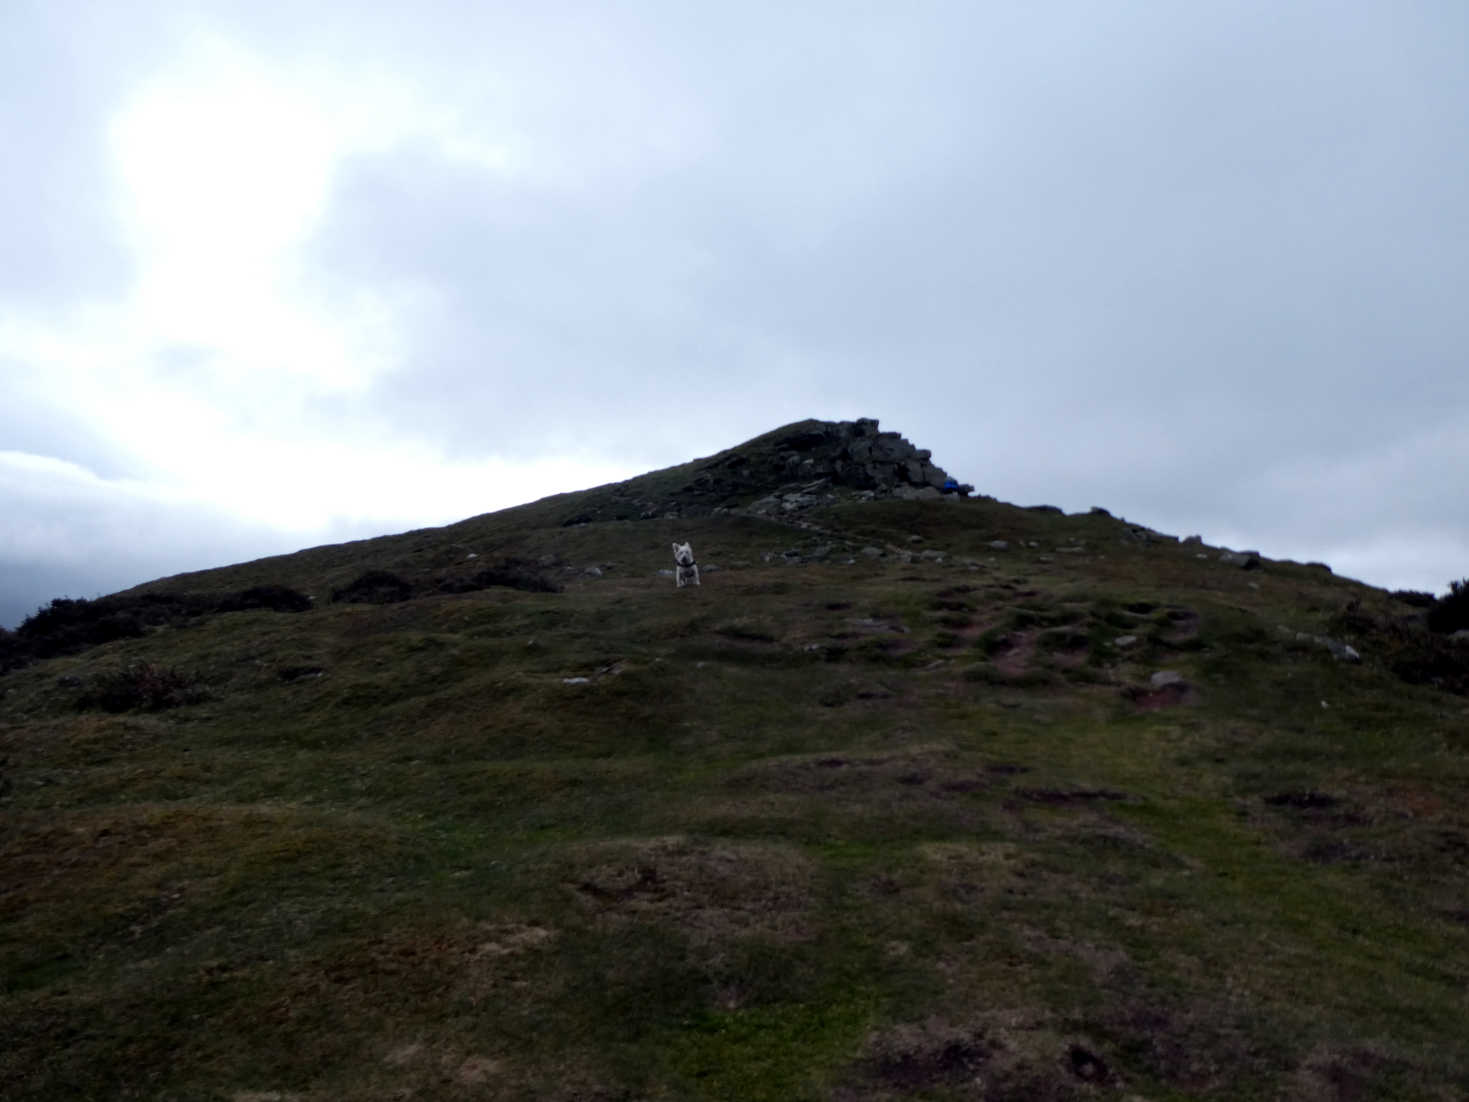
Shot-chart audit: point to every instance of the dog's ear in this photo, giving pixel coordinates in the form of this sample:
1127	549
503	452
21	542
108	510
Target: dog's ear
675	547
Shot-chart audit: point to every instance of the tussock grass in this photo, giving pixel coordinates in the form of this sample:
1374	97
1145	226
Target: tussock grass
809	831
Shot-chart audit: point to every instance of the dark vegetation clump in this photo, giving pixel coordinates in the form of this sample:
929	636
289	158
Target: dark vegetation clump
376	587
1409	648
71	625
1415	597
380	587
141	686
12	651
276	598
66	626
1451	613
511	573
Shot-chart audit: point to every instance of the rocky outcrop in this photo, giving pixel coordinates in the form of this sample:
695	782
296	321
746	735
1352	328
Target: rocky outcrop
855	455
784	472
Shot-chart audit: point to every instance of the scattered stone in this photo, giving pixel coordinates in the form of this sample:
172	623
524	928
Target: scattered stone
472	555
1098	511
1164	678
918	493
999	545
1245	560
1124	641
593	572
872	552
1460	636
819	462
1137	533
669	573
1342	652
873	623
576	681
932	556
1070	550
792	502
1192	539
289	674
915	539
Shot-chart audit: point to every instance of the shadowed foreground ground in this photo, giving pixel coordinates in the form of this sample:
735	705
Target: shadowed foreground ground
899	826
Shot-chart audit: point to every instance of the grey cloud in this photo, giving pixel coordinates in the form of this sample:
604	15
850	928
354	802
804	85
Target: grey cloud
70	534
1177	212
65	66
1199	264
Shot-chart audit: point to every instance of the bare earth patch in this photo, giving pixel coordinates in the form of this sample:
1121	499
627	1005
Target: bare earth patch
709	890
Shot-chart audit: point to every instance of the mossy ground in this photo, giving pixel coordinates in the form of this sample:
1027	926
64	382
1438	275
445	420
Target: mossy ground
857	831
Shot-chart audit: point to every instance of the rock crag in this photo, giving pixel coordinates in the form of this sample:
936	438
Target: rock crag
790	469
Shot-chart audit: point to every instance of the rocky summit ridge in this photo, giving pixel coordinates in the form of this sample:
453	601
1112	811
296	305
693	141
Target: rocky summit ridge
794	467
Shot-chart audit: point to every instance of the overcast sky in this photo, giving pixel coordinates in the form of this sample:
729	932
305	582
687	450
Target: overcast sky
277	274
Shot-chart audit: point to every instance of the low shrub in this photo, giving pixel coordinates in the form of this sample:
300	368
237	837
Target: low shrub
376	587
511	573
276	598
1415	597
1451	613
143	686
1406	647
67	625
13	653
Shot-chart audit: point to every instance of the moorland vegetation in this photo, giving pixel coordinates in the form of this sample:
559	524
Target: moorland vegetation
912	798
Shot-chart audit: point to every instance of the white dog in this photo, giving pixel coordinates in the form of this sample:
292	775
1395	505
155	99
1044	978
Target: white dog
685	569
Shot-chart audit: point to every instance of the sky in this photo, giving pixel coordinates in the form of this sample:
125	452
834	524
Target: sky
274	275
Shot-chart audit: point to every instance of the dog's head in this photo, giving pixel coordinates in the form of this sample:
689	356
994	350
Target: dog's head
683	554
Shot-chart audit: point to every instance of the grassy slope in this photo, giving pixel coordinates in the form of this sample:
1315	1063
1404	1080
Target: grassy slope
833	830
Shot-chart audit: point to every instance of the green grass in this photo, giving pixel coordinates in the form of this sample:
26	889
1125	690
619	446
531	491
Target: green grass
859	831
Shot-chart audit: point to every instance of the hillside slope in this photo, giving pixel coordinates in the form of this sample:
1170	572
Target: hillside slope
930	798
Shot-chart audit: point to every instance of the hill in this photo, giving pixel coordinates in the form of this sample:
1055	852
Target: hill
919	794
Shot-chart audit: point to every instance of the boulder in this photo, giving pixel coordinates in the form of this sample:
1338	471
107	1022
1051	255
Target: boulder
1245	560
